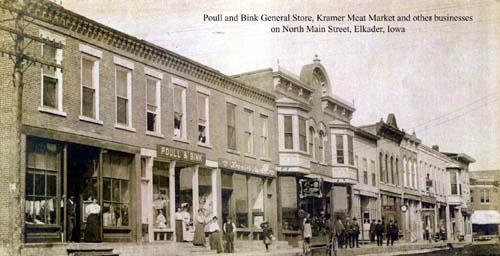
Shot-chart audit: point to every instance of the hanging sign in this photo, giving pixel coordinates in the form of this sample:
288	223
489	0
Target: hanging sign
311	187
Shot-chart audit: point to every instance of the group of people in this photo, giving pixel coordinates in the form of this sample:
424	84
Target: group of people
346	234
380	229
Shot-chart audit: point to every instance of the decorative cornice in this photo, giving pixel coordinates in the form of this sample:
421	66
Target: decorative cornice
54	14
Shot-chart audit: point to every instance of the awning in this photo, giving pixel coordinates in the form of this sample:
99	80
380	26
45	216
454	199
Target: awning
485	217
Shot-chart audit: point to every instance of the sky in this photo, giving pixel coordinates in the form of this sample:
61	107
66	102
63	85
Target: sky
440	79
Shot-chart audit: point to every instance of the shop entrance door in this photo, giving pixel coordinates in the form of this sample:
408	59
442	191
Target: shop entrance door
82	184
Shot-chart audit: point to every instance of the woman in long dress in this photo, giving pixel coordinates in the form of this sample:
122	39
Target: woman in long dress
93	228
178	225
199	228
267	234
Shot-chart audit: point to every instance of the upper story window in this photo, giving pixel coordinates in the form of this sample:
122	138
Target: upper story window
123	96
51	92
90	87
231	125
321	147
365	171
350	149
381	167
357	167
264	137
180	112
153	105
340	148
374	175
288	132
312	143
396	178
453	182
203	118
302	135
249	131
485	196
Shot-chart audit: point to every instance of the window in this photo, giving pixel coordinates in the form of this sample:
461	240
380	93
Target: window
288	132
180	112
115	187
312	144
90	87
381	163
365	171
386	169
203	118
42	171
350	149
321	146
453	181
161	194
231	126
391	175
302	134
357	167
264	135
51	78
340	148
256	194
153	99
374	175
249	131
241	200
123	96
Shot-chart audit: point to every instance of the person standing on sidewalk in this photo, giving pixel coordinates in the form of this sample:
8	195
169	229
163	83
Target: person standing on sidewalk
355	233
307	231
379	232
267	234
339	232
395	232
373	224
229	233
388	232
348	232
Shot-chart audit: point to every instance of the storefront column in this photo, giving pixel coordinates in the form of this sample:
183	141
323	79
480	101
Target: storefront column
171	185
147	197
436	217
217	194
459	221
196	193
448	223
136	182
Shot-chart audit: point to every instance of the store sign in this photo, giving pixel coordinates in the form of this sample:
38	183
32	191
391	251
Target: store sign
311	187
180	154
248	168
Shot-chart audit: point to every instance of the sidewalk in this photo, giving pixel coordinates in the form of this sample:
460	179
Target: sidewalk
399	248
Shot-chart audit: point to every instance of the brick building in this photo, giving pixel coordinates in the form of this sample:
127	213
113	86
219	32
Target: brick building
485	201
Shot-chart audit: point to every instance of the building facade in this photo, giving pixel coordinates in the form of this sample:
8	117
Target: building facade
485	201
151	134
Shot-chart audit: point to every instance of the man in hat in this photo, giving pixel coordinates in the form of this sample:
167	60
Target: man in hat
229	233
379	231
373	223
355	233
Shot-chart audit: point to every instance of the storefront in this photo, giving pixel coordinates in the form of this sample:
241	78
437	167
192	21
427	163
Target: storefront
175	184
62	178
247	196
366	211
391	207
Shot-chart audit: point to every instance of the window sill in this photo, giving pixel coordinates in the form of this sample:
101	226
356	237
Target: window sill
232	151
155	134
52	111
323	163
90	120
250	156
204	145
124	127
181	140
265	159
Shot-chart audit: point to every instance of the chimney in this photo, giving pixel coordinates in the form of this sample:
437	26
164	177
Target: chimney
435	147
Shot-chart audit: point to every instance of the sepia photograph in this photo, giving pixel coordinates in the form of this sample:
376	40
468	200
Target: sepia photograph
266	127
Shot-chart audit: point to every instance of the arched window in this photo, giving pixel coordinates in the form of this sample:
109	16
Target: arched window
312	143
321	147
386	169
391	175
396	180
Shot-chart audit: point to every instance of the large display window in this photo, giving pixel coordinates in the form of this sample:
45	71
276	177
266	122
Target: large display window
161	193
115	187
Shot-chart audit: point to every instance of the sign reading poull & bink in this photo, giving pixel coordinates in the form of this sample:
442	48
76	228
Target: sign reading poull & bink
180	154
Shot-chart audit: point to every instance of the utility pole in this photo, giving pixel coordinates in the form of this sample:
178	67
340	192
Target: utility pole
16	26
